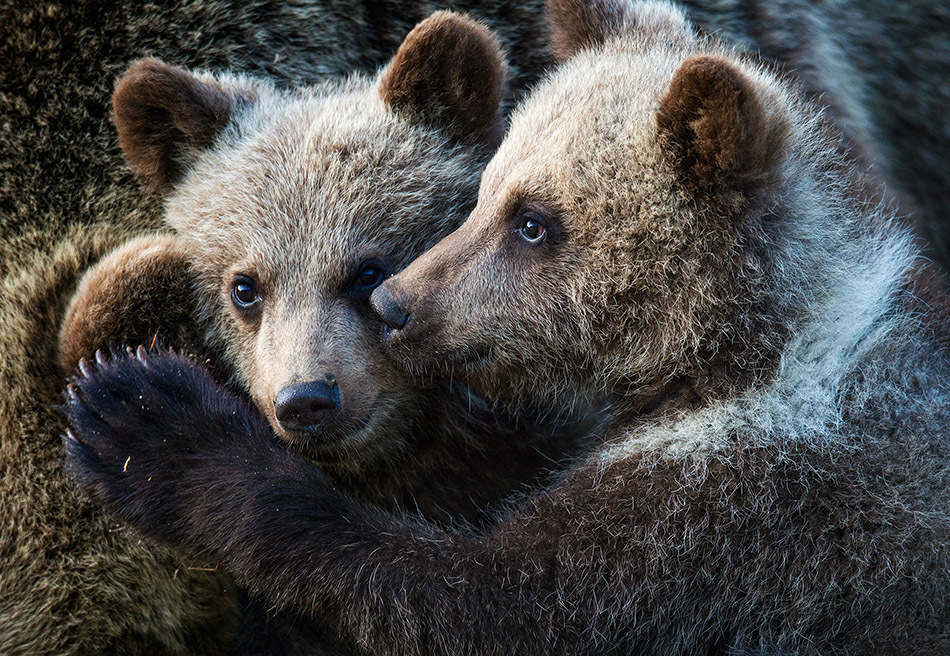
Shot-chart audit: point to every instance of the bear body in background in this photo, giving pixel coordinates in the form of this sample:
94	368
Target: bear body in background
667	229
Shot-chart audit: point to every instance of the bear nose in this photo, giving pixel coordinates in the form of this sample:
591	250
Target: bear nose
388	309
305	405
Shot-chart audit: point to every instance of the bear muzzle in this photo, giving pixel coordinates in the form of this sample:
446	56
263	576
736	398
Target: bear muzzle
306	406
388	308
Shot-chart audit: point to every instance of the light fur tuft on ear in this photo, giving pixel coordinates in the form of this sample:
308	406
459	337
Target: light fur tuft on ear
449	72
575	25
164	114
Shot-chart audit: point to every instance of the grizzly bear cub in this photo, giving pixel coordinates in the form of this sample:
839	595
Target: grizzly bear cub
667	230
289	208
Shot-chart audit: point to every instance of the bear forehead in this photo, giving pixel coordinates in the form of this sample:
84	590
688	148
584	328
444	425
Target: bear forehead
585	141
308	182
317	165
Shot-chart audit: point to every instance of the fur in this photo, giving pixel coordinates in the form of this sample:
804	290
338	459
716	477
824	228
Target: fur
776	479
76	581
64	188
297	191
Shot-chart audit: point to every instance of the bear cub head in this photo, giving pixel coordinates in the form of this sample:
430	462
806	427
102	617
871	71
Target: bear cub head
658	218
291	206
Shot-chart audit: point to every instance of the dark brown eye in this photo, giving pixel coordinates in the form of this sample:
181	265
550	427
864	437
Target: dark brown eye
532	228
369	277
244	293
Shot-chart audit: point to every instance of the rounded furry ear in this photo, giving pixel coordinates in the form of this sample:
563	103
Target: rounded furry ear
165	115
450	73
575	25
715	126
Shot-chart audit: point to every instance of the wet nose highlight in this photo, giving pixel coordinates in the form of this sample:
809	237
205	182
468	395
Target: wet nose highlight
305	405
388	309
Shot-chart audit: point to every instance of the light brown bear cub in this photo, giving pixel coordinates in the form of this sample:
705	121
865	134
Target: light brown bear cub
289	208
667	228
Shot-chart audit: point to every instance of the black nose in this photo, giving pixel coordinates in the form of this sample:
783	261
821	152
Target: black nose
388	309
306	405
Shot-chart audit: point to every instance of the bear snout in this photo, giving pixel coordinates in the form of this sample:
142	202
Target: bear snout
305	406
388	308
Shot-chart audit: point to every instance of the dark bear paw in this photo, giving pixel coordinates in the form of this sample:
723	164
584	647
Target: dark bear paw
154	438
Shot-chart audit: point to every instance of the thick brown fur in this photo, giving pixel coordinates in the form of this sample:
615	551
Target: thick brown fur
882	67
137	293
777	476
713	125
161	113
63	173
322	180
882	70
460	84
73	581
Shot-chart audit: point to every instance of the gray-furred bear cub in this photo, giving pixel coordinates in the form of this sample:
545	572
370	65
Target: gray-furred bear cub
289	208
666	228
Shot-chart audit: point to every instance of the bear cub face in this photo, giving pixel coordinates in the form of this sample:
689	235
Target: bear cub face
294	205
618	246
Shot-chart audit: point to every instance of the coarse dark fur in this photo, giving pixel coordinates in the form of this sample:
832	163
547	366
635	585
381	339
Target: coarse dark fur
777	478
296	191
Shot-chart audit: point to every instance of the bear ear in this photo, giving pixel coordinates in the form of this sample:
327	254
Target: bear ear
164	116
715	128
578	24
449	72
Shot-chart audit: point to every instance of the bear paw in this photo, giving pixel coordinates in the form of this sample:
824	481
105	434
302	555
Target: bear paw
155	439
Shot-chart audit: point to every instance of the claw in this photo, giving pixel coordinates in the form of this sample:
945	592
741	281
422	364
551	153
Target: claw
100	358
84	368
69	437
142	355
71	393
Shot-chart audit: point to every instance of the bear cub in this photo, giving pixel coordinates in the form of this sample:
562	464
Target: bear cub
288	209
668	230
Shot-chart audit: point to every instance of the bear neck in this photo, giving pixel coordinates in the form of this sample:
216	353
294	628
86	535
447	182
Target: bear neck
835	272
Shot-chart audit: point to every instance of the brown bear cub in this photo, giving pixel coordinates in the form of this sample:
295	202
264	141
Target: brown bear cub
289	209
667	229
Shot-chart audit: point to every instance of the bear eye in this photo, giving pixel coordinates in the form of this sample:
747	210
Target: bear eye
244	293
532	228
369	277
